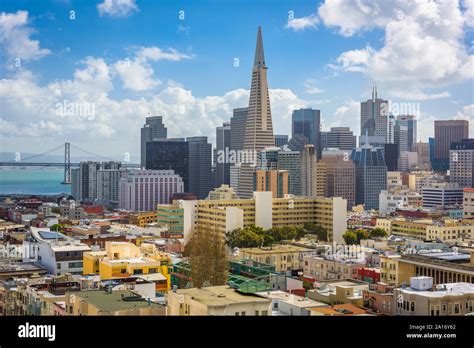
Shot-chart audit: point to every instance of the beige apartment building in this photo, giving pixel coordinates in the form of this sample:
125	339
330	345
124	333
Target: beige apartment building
216	300
284	257
321	268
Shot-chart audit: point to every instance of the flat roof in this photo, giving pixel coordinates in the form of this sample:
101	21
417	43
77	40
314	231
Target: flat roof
451	289
221	295
292	299
113	301
7	266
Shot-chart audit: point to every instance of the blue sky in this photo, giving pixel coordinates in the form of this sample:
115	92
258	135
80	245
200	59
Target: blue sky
324	54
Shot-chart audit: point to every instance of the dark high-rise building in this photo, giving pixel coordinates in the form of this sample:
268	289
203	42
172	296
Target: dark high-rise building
447	132
237	128
391	154
199	161
223	135
461	163
305	129
400	137
408	121
258	125
374	119
281	139
371	175
431	144
169	154
153	129
340	138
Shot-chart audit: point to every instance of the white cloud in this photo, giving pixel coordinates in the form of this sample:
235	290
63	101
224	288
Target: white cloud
15	37
346	115
138	74
310	87
115	127
117	8
299	24
423	45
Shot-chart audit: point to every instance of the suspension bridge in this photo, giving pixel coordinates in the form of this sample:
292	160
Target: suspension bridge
67	164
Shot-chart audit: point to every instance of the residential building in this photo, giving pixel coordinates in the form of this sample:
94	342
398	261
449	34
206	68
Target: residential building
111	303
420	299
171	217
108	185
332	267
122	260
284	303
141	219
216	300
468	203
284	257
379	297
339	292
142	190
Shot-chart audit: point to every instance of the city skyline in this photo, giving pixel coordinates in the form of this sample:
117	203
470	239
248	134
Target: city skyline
166	71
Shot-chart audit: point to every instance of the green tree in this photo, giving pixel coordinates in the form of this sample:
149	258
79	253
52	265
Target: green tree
361	234
56	227
208	258
317	230
350	237
377	233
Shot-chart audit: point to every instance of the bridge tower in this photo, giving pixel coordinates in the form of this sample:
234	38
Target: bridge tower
67	164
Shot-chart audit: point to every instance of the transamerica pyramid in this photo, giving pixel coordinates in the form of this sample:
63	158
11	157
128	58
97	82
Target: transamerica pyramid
259	129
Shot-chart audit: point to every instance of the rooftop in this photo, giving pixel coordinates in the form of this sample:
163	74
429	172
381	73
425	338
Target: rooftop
11	266
114	301
294	300
451	289
221	295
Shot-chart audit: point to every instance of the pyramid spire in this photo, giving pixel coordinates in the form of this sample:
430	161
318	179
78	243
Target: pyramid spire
259	56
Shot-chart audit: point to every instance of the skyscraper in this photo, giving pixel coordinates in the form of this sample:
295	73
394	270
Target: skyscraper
223	135
275	181
447	132
291	161
423	150
169	154
340	138
305	124
340	177
237	133
84	181
153	129
461	163
308	171
258	127
400	137
108	178
281	139
371	175
409	121
374	118
199	160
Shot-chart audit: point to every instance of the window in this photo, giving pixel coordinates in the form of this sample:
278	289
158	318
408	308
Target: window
152	270
237	313
412	306
257	312
58	265
243	313
137	271
123	270
264	312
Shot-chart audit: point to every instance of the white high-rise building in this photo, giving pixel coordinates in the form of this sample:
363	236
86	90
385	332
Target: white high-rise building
142	190
308	171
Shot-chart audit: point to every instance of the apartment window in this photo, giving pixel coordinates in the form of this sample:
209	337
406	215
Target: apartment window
243	313
412	306
264	312
152	270
123	270
456	308
237	313
58	265
137	271
444	308
257	312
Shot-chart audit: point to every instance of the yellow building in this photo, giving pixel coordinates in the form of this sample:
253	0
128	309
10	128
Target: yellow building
121	259
266	212
450	231
142	219
284	257
223	192
443	267
119	302
216	300
339	292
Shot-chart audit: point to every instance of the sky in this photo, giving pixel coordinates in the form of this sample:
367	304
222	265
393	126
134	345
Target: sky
90	72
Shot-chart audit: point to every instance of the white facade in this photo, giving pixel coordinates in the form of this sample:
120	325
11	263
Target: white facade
263	209
142	190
